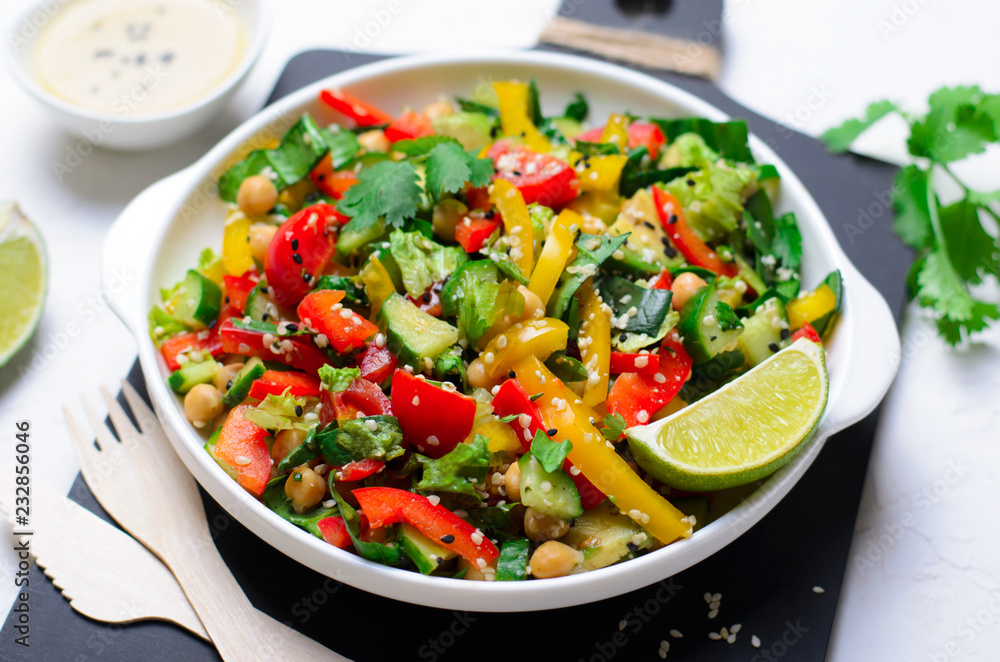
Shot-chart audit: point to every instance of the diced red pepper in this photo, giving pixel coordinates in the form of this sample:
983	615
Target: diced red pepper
684	238
540	178
333	183
478	198
241	446
512	400
473	231
334	531
299	252
361	398
237	288
430	302
639	134
664	281
638	397
807	331
186	343
408	126
359	469
433	419
344	329
376	363
301	352
363	114
590	135
276	382
640	364
386	505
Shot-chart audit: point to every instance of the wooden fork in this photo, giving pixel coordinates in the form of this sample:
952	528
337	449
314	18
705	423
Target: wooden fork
144	486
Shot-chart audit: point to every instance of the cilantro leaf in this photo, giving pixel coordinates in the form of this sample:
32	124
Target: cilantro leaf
389	189
940	289
787	243
421	146
577	109
449	167
612	427
839	139
550	454
357	437
971	250
726	317
913	220
338	379
954	128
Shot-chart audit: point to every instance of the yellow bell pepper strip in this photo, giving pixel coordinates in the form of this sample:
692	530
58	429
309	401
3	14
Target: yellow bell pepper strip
616	132
237	257
811	306
595	344
562	410
538	338
514	115
598	173
501	437
378	285
604	205
555	254
516	224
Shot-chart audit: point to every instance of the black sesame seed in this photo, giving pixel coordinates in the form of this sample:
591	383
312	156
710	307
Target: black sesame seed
632	547
551	432
489	214
263	318
623	337
297	258
295	244
512	374
669	250
672	219
712	338
784	334
648	225
292	327
447	539
306	277
427	297
489	532
439	560
229	384
263	290
516	173
773	346
227	300
321	177
690	182
298	410
493	131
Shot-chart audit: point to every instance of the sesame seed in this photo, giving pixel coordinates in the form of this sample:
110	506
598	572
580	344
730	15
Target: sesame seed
713	614
724	631
433	441
502	342
717	597
642	416
346	313
621	625
527	434
819	589
574	471
476	538
731	639
379	340
329	503
488	358
495	389
546	486
676	634
371	425
755	641
714	636
524	420
481	563
416	401
736	628
641	361
242	460
434	499
662	653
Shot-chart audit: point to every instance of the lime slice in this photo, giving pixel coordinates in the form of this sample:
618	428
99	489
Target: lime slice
23	279
746	430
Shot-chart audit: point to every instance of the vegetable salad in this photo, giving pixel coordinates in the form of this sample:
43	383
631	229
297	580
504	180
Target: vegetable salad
425	333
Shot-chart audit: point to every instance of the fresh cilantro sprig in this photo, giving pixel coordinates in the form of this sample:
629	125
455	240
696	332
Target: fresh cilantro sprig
612	427
954	251
550	454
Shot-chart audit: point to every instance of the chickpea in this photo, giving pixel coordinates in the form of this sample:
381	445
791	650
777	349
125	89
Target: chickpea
477	574
374	141
438	109
477	376
684	286
202	404
305	488
512	482
257	195
533	306
553	559
224	376
285	442
261	235
539	527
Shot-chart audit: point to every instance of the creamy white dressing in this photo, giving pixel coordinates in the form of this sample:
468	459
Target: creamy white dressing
138	56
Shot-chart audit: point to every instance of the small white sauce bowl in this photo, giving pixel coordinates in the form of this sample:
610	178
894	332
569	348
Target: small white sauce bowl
132	131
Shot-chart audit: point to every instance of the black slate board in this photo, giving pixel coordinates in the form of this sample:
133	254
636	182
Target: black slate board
765	577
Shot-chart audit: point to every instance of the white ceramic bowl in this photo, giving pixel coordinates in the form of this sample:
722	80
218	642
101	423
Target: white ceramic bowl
161	233
136	131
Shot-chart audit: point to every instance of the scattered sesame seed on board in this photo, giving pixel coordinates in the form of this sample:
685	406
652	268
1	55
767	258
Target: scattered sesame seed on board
712	614
714	636
731	639
665	646
662	653
736	628
621	625
755	641
676	634
819	589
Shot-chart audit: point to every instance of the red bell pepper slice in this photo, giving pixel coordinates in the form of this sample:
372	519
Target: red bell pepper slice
237	289
808	332
334	531
359	469
299	252
684	238
477	198
333	183
376	363
640	364
638	397
344	329
430	301
276	382
363	114
512	400
473	231
408	126
386	505
186	343
639	134
664	281
433	419
540	178
361	398
241	446
300	352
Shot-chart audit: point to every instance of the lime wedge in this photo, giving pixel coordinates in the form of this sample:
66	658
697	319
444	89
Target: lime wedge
23	279
746	430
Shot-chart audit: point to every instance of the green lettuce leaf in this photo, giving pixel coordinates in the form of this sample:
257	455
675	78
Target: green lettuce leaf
423	262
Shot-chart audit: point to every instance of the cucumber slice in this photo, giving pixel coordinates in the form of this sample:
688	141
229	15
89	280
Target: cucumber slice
764	333
252	371
701	327
192	374
261	307
197	301
549	493
512	565
425	553
354	290
210	445
411	334
352	238
470	129
605	536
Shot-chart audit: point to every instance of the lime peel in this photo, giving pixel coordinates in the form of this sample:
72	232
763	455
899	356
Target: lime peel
23	279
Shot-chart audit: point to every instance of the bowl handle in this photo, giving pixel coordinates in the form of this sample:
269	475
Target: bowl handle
874	354
127	248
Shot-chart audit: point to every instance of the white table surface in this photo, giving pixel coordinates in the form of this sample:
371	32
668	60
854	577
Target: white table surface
924	574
